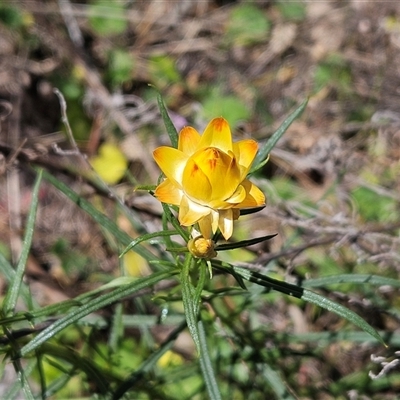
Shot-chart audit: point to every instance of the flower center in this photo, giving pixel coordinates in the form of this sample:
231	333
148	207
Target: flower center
210	177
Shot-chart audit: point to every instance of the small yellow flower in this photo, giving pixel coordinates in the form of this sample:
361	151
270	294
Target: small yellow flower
206	178
110	163
170	358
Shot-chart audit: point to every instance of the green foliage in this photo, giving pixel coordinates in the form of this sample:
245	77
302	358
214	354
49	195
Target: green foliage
11	16
72	262
292	10
109	18
263	153
15	288
333	72
81	124
163	71
247	25
73	91
375	207
169	126
121	66
232	108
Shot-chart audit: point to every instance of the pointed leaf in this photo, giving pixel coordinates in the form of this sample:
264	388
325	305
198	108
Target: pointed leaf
361	279
244	243
15	288
263	154
100	218
148	364
275	382
342	311
266	281
311	297
169	126
146	237
93	305
206	366
247	211
189	302
7	271
17	385
175	223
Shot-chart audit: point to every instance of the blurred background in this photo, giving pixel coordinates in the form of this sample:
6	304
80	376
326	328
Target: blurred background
332	181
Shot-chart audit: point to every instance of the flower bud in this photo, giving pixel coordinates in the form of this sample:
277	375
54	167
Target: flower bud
202	248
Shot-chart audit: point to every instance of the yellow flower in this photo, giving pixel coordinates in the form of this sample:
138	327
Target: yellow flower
206	178
110	163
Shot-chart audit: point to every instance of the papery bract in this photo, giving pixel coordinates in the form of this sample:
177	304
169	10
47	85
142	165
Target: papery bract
206	178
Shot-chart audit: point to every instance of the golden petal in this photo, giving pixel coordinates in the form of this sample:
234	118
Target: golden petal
238	196
190	212
225	223
196	183
168	192
205	226
189	139
221	171
245	151
217	134
254	196
214	220
171	162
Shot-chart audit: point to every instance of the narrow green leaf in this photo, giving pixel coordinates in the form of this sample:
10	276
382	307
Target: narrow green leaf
169	126
147	188
266	281
342	311
115	283
94	305
200	284
146	237
52	309
103	220
163	263
17	385
175	223
205	364
117	328
244	243
182	249
132	321
225	267
263	153
168	240
361	279
327	338
276	383
8	272
100	377
148	364
15	288
57	384
189	302
22	380
252	210
306	295
26	389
